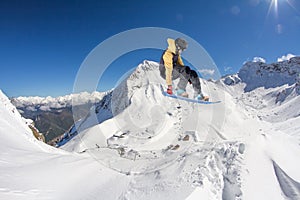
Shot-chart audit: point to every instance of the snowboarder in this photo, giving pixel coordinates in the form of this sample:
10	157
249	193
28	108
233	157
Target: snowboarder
172	67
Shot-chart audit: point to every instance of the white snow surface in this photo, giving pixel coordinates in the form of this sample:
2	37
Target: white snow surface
31	169
246	147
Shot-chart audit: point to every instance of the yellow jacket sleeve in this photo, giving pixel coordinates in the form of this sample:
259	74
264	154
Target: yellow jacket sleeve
168	62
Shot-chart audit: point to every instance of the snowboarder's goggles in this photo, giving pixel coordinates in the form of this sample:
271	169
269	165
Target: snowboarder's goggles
179	48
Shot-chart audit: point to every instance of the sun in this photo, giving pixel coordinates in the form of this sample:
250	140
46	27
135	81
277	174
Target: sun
274	8
275	3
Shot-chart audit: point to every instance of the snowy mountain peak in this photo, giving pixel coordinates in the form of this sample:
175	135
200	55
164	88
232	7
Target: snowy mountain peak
145	75
258	74
272	89
137	89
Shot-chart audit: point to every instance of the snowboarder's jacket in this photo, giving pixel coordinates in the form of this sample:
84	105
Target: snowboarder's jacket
170	59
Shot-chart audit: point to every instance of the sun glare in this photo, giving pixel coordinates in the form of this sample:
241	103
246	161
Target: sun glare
274	4
274	9
291	3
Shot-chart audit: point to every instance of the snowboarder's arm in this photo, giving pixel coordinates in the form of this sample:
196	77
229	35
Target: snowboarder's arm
168	62
180	62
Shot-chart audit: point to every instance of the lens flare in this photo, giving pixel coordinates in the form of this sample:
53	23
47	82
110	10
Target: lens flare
291	4
273	4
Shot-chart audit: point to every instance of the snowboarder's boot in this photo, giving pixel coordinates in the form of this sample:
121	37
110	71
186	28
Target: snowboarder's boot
201	97
182	93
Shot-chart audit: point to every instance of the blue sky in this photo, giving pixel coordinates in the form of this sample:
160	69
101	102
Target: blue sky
43	43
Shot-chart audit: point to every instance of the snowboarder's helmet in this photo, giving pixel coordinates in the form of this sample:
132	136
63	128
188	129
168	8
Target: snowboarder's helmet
181	43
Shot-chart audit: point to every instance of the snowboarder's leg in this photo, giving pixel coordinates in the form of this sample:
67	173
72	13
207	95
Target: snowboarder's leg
162	70
183	72
188	75
194	78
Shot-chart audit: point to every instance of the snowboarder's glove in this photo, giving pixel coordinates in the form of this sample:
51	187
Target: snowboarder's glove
169	90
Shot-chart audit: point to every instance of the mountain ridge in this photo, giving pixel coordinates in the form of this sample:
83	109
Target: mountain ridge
53	116
260	74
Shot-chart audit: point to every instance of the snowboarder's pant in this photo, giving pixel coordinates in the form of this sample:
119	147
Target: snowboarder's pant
185	74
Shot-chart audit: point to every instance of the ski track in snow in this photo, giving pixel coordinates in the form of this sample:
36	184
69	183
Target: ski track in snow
289	187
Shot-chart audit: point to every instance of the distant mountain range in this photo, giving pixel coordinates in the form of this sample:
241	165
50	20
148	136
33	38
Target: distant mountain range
53	116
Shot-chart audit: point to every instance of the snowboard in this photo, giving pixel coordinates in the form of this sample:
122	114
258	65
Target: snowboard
188	99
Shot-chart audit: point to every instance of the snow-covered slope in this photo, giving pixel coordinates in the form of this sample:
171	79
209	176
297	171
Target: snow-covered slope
31	169
271	91
13	127
219	161
125	147
143	127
